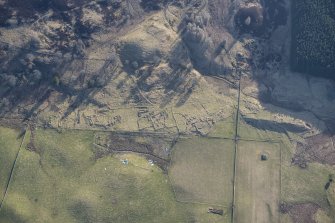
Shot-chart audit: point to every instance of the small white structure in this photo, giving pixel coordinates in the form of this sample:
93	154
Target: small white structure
125	162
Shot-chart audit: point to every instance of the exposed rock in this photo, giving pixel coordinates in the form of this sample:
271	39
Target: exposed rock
247	21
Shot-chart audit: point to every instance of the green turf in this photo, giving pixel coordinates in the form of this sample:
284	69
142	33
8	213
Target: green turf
285	218
9	146
305	185
202	170
199	213
63	183
224	129
257	182
323	217
298	185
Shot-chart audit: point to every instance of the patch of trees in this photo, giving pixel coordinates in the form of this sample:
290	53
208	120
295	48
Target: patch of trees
313	37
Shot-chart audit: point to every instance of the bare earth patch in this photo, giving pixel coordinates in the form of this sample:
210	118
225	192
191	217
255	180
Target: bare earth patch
301	213
319	148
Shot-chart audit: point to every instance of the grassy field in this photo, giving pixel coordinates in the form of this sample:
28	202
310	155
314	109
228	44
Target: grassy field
306	185
202	170
224	128
64	183
303	185
298	185
257	183
9	146
322	217
198	213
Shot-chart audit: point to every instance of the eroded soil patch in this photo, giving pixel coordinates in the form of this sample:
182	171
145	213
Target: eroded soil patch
300	213
154	148
319	148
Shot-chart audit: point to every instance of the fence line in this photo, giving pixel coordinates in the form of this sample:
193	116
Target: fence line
12	170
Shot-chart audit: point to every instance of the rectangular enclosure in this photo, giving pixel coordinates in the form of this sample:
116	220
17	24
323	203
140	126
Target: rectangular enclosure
257	182
202	170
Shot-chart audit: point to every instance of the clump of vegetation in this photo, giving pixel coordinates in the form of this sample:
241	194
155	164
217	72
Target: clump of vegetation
152	4
313	37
